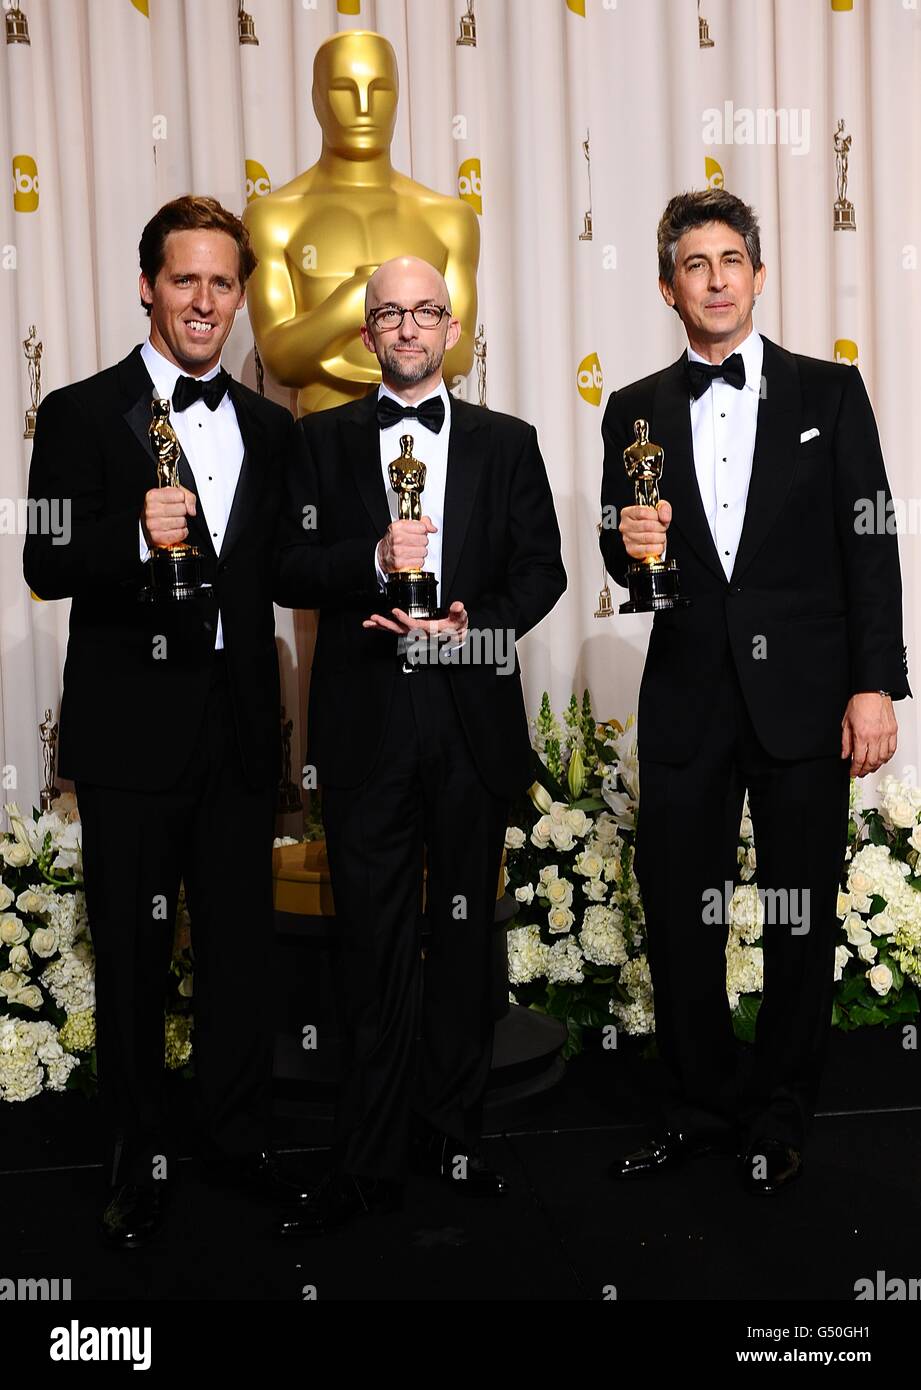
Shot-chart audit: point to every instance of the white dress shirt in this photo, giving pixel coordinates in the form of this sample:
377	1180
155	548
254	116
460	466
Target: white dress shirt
724	422
432	450
213	446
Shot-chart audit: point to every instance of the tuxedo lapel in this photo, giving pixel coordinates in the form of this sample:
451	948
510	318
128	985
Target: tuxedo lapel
776	451
670	426
138	389
466	457
244	496
362	448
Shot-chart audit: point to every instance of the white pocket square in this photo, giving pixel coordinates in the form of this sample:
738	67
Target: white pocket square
807	435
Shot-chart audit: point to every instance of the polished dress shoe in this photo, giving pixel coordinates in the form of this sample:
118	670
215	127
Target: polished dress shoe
341	1198
260	1175
666	1150
769	1165
134	1214
465	1171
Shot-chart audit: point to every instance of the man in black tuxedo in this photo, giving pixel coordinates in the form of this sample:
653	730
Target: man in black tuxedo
779	679
418	732
169	718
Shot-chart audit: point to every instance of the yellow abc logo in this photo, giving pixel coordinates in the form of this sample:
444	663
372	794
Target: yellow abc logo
25	183
842	5
348	6
470	184
258	183
577	7
713	173
589	379
846	352
142	7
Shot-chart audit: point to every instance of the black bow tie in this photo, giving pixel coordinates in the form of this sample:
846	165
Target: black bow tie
430	413
700	374
190	388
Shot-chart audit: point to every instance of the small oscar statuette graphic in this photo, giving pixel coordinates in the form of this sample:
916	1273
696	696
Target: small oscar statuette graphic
289	793
246	26
586	232
653	583
17	26
414	591
845	218
174	570
33	351
605	607
48	730
479	353
703	31
467	37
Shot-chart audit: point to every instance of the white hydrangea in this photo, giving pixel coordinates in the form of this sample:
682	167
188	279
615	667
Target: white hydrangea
744	970
31	1056
564	962
637	1016
70	980
602	937
527	955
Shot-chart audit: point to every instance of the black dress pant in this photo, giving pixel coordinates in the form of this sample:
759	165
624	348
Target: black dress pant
418	1035
687	837
215	833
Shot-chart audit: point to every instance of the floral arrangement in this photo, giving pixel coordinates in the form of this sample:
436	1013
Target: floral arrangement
47	967
577	950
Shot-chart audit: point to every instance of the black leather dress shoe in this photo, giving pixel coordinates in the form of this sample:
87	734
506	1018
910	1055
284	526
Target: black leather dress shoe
341	1198
666	1150
770	1165
263	1176
467	1173
134	1214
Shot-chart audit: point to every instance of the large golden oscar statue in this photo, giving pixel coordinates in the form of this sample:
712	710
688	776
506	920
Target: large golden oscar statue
320	237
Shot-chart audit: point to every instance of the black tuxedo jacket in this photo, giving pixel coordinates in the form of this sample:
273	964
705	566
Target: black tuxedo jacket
500	557
813	610
133	703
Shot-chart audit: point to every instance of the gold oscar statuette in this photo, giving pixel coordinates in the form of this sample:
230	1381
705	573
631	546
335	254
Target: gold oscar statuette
703	31
174	571
48	731
845	217
653	583
467	37
33	351
586	232
605	607
479	352
246	26
413	590
17	26
320	237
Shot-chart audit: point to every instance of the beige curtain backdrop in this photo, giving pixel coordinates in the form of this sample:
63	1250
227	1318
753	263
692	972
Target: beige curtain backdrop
117	105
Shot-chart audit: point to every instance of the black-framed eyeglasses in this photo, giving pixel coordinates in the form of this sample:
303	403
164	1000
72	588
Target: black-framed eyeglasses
390	316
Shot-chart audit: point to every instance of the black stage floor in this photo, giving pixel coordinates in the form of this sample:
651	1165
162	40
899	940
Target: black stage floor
565	1233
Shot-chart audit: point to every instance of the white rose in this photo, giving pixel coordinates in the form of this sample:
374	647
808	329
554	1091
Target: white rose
842	956
31	997
10	983
867	951
857	934
13	929
16	855
547	873
514	837
589	864
882	924
6	897
558	812
44	941
30	903
562	838
880	978
579	823
560	919
559	892
900	813
540	835
525	894
844	905
595	889
20	960
858	881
